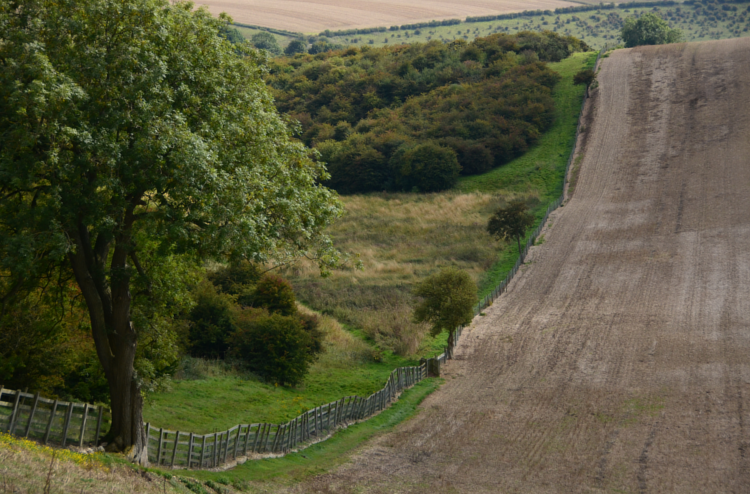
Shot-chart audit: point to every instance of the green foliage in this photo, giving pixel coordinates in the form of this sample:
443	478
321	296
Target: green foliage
447	300
275	294
584	76
274	346
266	41
235	278
210	323
232	35
426	167
648	29
295	46
311	324
511	221
136	137
482	100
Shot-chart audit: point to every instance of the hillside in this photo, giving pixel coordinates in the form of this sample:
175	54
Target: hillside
618	359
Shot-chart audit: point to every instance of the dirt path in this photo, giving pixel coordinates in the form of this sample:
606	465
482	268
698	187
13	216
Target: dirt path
620	359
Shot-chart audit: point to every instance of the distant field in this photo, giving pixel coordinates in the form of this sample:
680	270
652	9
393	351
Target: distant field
697	23
313	16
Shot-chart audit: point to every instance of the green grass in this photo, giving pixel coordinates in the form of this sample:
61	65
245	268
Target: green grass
326	455
217	397
542	168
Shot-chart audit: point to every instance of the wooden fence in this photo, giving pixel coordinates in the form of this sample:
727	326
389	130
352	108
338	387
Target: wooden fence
51	421
186	449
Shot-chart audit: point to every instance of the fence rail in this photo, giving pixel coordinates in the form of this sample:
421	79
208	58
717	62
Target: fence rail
51	421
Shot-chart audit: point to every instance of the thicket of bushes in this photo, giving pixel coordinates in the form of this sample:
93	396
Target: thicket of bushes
476	104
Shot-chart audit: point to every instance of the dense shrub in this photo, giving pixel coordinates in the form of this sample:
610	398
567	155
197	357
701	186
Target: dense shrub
648	29
274	346
266	41
210	323
311	324
295	46
426	167
275	294
236	277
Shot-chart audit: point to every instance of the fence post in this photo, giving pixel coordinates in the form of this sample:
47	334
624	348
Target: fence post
14	413
31	415
203	450
190	452
247	439
68	415
83	424
174	450
49	424
158	449
215	452
148	437
237	441
99	427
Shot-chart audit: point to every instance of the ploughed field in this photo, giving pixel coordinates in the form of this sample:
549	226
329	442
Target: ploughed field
313	16
619	360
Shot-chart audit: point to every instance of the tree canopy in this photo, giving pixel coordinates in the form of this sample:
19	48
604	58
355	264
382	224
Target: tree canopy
648	29
511	221
133	133
447	301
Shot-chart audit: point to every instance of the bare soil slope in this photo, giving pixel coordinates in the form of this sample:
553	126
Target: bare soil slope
620	359
313	16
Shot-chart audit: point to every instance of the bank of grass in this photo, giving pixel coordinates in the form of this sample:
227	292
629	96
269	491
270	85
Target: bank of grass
323	456
210	396
27	467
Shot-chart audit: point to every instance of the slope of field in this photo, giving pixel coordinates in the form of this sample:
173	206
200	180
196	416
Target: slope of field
312	16
620	358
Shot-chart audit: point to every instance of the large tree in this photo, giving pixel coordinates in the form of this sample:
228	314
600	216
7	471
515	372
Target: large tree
132	131
648	29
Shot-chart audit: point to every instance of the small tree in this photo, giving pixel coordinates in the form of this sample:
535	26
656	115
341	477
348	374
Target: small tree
585	76
275	346
294	47
266	41
275	294
448	299
511	221
649	29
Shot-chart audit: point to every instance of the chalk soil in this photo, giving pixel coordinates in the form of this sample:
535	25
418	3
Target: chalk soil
619	361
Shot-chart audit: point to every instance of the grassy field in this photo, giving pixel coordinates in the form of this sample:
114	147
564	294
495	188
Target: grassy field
697	22
212	396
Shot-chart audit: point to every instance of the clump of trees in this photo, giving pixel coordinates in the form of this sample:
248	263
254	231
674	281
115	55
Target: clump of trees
477	104
648	29
253	318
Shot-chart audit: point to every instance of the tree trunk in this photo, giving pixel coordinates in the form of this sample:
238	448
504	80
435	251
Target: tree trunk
518	239
108	301
450	342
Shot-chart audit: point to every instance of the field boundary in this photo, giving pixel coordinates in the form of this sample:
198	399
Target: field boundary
48	421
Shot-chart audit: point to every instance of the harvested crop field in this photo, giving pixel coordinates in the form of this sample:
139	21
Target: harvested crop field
313	16
619	360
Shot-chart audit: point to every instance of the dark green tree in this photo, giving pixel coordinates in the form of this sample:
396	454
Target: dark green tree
426	167
266	41
447	301
295	46
210	323
511	221
584	76
276	347
132	132
648	29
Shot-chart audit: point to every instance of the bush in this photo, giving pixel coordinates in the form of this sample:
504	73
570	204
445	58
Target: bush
311	324
235	278
266	41
210	323
585	76
426	167
274	346
295	46
649	29
275	294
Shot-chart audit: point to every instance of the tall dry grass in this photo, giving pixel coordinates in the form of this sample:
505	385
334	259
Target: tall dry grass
401	239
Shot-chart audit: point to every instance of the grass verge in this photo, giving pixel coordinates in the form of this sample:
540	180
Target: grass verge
325	455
